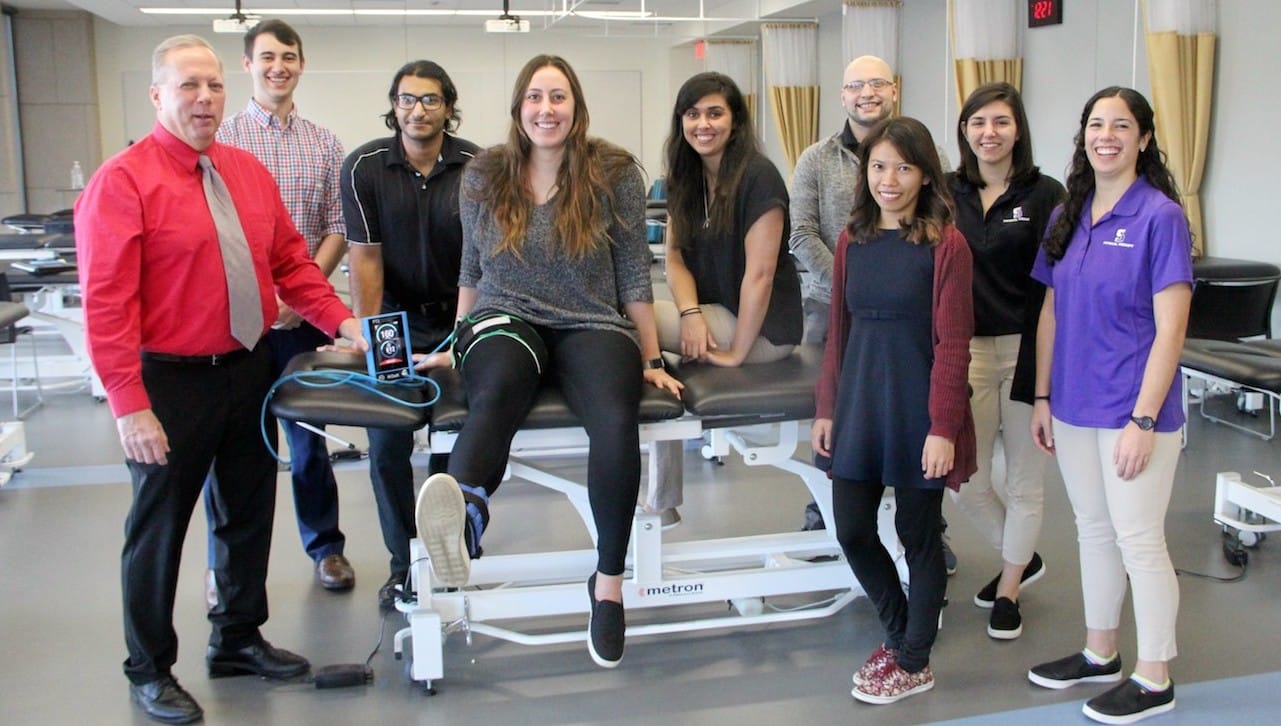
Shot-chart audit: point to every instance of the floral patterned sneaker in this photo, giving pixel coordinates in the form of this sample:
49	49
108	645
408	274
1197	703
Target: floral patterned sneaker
880	658
892	683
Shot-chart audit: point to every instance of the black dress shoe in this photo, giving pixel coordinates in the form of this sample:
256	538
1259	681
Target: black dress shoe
260	658
334	572
164	700
393	588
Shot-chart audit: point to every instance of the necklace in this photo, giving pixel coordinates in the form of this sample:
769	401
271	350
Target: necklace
707	219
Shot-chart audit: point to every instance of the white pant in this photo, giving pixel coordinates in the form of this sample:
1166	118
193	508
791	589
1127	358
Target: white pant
1007	513
1120	529
666	475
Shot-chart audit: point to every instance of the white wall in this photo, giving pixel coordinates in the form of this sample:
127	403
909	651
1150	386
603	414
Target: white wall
1099	45
1096	46
349	70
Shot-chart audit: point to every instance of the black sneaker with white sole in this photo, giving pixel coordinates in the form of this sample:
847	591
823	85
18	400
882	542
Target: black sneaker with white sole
1034	571
1129	702
1074	669
1006	623
606	628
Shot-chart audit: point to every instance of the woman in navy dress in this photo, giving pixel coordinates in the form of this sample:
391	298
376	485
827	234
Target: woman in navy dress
892	408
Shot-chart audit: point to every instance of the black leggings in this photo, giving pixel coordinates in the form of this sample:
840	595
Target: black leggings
911	620
599	373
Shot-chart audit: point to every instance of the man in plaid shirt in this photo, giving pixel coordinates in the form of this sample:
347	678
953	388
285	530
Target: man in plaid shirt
305	159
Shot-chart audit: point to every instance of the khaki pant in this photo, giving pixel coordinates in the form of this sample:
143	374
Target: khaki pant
1121	531
1006	511
666	474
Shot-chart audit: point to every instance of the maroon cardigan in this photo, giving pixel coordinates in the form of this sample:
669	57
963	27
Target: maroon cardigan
953	322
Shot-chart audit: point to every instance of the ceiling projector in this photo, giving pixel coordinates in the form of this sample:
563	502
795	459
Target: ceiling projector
507	24
241	24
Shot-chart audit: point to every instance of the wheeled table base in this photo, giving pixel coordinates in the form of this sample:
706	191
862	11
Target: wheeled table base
517	589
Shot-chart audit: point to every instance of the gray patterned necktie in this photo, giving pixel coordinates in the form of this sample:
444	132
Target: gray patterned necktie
242	284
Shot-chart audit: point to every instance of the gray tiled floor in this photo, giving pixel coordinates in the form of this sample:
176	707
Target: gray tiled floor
60	534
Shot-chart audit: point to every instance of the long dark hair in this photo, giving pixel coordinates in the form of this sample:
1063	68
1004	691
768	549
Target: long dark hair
1080	178
423	69
685	166
933	205
1021	166
589	173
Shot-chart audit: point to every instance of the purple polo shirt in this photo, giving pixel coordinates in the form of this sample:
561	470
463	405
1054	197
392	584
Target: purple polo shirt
1104	320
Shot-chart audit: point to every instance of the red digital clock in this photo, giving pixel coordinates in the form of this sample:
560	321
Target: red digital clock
1044	12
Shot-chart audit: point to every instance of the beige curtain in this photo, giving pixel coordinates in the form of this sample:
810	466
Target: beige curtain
796	114
738	60
971	73
870	27
984	44
1181	71
790	51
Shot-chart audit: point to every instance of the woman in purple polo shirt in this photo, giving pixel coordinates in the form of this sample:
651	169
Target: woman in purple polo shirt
1117	262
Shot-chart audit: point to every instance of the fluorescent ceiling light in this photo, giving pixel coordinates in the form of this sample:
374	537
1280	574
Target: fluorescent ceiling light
613	14
621	15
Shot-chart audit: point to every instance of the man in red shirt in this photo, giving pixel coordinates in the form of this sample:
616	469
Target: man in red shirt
185	392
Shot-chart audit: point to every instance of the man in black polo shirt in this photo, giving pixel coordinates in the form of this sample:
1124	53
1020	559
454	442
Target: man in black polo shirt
400	203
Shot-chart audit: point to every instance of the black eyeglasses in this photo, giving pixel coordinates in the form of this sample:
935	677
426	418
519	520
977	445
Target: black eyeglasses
877	84
430	101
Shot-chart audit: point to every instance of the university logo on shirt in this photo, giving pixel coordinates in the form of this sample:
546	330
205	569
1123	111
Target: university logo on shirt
1017	215
1118	240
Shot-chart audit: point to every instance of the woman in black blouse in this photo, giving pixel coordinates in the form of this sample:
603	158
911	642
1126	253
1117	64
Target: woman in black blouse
737	296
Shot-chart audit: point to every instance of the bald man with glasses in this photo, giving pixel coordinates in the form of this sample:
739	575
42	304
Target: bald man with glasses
400	206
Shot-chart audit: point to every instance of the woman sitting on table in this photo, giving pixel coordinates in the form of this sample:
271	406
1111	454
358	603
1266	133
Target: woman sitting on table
736	293
554	286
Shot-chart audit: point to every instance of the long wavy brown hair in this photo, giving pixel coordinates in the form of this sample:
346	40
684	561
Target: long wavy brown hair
1150	165
586	181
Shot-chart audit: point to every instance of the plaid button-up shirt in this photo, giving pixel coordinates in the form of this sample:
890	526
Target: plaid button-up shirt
305	160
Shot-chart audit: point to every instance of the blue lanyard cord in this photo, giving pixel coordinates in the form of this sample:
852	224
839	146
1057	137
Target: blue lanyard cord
335	378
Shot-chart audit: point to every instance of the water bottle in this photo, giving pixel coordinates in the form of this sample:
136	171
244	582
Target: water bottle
77	176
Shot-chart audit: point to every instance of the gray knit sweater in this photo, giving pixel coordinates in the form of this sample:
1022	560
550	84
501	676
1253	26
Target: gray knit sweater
821	196
546	287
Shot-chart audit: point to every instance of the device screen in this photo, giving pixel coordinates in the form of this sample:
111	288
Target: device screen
389	351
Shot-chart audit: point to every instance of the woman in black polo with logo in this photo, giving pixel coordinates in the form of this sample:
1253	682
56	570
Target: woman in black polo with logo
1003	204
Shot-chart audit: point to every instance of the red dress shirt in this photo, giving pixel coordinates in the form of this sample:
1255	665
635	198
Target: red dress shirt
151	271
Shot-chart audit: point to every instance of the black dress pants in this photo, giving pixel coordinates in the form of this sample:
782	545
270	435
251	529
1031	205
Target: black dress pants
210	415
